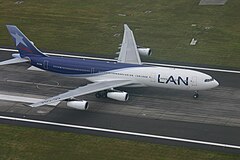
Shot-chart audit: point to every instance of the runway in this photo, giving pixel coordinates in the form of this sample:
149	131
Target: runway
214	117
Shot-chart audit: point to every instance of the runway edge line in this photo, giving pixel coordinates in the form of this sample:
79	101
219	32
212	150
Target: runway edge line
120	132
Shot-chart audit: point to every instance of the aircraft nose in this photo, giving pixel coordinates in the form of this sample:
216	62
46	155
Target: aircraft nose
216	83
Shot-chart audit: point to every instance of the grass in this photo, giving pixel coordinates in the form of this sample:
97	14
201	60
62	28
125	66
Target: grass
83	26
30	143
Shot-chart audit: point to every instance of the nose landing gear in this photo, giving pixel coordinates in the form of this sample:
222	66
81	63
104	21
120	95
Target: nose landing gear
195	95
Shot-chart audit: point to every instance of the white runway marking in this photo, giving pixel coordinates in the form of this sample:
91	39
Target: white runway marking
154	64
121	132
212	2
38	84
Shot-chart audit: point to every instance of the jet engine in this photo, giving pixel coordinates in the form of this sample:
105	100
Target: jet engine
119	96
81	105
145	51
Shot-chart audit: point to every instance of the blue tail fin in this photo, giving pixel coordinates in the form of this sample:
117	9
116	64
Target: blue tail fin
25	47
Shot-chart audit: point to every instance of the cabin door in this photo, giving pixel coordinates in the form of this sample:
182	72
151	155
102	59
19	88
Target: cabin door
153	77
194	81
45	64
92	70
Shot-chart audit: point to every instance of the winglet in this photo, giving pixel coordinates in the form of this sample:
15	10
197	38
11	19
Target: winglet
126	27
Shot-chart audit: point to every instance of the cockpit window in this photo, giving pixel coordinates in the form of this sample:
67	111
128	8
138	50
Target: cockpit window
209	80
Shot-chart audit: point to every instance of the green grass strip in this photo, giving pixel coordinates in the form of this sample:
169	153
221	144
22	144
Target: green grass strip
30	143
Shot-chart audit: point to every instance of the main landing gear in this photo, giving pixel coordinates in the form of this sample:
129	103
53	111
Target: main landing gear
195	95
101	94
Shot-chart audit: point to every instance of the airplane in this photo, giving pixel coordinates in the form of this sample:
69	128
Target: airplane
126	71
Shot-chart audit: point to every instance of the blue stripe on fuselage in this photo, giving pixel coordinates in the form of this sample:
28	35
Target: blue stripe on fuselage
73	66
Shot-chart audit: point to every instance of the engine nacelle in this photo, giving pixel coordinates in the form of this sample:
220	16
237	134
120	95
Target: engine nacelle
81	105
145	51
119	96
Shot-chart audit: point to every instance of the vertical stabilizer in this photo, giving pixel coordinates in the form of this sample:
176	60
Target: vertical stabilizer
25	47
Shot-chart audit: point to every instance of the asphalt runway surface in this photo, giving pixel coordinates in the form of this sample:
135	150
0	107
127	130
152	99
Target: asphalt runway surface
214	117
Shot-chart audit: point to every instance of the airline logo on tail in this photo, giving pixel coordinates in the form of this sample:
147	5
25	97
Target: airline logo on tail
25	47
18	39
20	44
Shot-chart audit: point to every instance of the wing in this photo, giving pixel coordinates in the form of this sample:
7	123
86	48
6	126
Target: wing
15	98
128	52
90	88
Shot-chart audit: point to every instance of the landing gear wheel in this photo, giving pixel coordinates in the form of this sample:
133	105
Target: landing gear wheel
101	94
196	95
97	95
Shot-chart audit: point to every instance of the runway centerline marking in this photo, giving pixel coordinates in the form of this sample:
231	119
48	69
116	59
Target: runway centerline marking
120	132
154	64
33	83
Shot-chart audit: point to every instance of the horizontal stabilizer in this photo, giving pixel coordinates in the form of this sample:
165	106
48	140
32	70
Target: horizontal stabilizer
13	61
32	68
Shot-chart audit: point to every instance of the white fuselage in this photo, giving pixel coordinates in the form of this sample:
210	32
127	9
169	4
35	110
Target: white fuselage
165	77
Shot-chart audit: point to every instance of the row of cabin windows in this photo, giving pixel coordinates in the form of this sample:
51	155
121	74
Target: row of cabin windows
87	70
